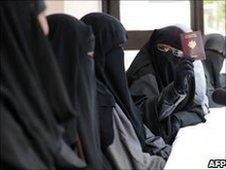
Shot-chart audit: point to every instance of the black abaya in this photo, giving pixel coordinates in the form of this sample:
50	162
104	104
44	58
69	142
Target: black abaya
73	44
33	96
215	56
151	77
110	36
114	98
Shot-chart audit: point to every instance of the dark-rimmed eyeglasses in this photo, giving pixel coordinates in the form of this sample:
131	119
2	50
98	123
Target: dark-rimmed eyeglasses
168	49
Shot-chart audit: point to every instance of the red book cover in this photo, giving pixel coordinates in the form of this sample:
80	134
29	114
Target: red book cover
192	45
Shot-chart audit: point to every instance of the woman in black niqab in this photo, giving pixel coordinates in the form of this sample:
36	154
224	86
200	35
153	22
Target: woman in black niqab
110	38
163	85
215	55
73	44
34	101
124	138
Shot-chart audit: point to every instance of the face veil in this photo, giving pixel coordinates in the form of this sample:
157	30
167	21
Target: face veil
166	73
109	59
215	55
73	44
151	75
33	96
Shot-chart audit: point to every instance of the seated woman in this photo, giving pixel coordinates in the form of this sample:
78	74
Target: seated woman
34	101
73	44
162	84
215	56
123	135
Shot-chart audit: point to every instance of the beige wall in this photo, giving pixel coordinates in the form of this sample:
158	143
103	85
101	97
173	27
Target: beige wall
76	8
54	6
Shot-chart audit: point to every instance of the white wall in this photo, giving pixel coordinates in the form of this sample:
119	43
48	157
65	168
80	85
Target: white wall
54	7
76	8
79	8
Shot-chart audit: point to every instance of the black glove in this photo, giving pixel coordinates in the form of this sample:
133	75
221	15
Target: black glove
183	73
219	96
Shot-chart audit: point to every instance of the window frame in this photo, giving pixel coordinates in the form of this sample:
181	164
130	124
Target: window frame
137	38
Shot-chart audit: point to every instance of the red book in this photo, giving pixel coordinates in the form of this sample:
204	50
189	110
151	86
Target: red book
192	45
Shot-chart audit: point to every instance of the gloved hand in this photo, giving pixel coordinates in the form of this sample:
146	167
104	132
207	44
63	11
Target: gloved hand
183	72
219	96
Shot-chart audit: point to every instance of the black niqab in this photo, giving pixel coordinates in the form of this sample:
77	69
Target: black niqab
215	54
162	65
215	42
109	57
72	42
33	95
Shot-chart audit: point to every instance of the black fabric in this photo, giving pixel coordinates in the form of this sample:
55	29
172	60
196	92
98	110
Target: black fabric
215	55
219	96
161	67
215	51
39	6
213	65
72	42
183	72
65	36
105	103
33	95
163	63
215	42
109	57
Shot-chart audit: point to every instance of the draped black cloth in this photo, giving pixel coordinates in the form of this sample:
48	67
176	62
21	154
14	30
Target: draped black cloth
110	72
73	43
150	79
215	55
33	96
219	96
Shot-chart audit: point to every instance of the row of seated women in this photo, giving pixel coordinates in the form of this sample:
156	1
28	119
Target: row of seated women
67	103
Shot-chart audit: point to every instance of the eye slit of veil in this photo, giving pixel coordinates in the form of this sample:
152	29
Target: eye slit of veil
167	48
90	54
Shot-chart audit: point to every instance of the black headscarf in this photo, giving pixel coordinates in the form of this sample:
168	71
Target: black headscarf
163	63
33	95
162	66
215	54
109	57
38	6
73	41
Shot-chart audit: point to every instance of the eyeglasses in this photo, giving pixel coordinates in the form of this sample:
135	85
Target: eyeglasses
166	48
